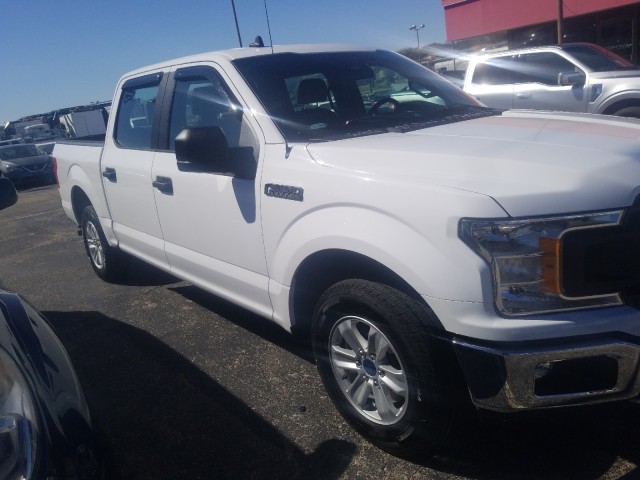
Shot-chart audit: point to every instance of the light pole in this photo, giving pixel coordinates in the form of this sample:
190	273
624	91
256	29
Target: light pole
417	28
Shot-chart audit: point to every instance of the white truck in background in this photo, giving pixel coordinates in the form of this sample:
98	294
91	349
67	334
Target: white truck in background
422	240
85	123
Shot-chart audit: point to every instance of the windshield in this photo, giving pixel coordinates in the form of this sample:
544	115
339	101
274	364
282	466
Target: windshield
598	59
18	151
324	96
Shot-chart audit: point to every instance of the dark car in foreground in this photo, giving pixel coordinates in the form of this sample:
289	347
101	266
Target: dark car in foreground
26	162
45	426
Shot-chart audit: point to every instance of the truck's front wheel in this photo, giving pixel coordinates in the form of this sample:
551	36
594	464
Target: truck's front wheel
374	355
109	263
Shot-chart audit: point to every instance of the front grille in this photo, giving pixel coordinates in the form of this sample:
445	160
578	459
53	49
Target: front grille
605	260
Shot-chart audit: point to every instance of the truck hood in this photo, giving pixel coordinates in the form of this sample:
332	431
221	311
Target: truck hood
616	74
531	163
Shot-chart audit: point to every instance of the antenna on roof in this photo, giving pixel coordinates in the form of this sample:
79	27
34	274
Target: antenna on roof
268	24
235	17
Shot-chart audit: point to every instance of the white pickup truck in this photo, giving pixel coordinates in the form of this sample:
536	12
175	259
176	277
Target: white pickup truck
422	240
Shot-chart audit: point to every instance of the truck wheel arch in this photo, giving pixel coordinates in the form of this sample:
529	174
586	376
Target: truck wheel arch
318	272
79	201
628	107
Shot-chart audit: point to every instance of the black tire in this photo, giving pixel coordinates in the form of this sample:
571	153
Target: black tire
632	112
108	262
407	376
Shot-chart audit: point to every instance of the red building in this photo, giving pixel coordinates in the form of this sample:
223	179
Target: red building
473	24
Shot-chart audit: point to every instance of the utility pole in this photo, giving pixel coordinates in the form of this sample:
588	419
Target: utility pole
417	28
560	22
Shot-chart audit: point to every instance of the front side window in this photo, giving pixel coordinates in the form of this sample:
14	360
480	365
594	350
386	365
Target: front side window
203	102
542	67
201	98
136	113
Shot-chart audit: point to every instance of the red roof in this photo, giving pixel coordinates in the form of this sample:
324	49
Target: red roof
470	18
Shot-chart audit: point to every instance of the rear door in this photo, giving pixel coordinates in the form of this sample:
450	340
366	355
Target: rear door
126	167
492	82
210	221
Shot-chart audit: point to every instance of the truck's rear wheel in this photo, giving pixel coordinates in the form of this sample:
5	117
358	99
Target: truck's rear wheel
109	263
374	355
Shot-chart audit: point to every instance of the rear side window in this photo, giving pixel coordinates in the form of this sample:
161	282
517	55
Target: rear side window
496	71
136	113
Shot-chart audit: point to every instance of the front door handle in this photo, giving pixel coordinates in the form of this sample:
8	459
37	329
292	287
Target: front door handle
110	174
523	96
164	184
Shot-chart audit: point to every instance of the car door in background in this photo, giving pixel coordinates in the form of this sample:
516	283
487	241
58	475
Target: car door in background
537	85
492	82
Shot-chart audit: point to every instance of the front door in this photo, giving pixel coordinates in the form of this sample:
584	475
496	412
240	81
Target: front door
211	222
537	84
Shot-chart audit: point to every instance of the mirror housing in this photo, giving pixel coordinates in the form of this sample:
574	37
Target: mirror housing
206	150
8	194
571	78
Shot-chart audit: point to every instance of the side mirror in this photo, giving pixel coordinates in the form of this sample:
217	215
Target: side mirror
571	78
202	149
205	149
8	194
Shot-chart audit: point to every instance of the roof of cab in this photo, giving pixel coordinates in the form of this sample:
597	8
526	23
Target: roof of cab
236	53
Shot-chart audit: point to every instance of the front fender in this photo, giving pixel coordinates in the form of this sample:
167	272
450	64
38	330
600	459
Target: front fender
608	106
432	260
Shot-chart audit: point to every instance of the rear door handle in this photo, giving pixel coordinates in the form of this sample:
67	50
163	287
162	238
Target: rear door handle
164	184
524	96
110	174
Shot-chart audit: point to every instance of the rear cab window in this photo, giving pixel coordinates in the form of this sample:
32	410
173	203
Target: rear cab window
137	112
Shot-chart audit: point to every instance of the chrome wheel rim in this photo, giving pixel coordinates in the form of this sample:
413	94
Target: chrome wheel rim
94	245
368	370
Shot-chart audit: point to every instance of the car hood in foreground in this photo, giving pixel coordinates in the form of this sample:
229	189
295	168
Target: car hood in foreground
529	162
65	439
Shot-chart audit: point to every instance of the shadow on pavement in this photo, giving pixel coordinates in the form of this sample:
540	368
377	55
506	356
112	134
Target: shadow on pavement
163	418
584	443
249	321
570	443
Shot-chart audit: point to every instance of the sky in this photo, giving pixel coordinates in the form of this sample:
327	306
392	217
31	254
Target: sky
64	53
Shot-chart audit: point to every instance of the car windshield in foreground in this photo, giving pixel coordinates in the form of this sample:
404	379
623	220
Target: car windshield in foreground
18	151
326	96
598	59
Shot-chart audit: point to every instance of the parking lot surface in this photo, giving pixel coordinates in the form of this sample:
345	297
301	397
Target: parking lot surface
185	385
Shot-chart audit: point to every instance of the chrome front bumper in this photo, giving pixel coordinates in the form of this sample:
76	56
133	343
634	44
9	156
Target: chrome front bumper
527	376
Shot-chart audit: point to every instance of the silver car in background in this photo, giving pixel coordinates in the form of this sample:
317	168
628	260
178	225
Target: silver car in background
574	77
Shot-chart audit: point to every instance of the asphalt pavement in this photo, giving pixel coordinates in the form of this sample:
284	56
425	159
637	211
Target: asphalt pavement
185	385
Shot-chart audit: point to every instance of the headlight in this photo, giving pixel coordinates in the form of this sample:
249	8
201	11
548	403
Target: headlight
526	260
18	425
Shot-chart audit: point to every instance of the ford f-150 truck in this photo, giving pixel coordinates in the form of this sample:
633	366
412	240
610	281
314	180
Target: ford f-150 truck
423	241
573	77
